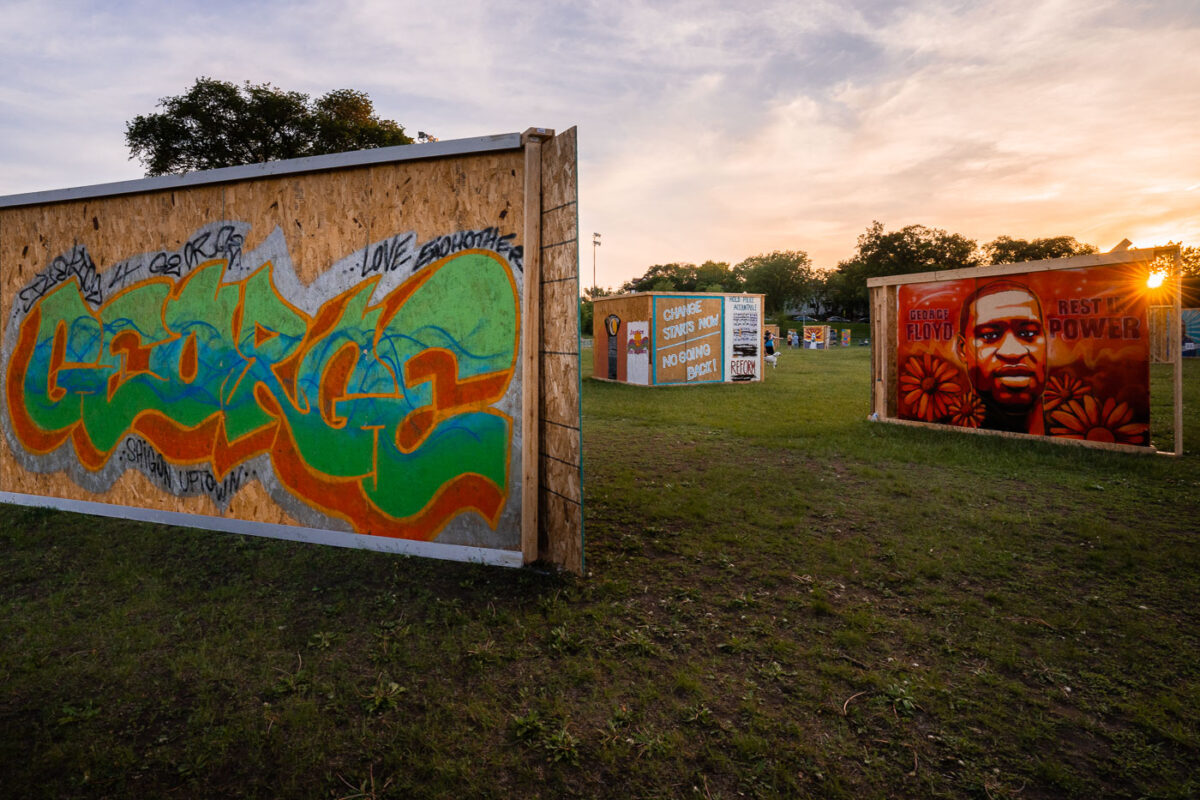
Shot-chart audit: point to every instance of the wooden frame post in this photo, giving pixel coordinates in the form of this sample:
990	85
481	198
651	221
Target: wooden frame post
1177	346
531	141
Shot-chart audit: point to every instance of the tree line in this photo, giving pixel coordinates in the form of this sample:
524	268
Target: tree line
790	280
220	124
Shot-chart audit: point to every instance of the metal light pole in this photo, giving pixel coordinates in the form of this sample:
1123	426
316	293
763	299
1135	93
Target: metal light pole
595	244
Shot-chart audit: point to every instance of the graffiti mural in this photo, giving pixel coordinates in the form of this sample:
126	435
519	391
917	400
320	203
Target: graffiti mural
380	398
1062	353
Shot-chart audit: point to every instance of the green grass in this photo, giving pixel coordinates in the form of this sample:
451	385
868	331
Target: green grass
783	600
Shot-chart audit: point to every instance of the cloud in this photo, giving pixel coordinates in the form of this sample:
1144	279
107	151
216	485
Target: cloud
707	130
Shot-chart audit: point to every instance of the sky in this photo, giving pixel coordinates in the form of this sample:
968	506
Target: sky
707	130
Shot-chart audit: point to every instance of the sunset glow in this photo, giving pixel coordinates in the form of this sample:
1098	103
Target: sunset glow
706	130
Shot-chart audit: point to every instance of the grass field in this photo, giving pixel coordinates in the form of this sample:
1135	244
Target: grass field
782	600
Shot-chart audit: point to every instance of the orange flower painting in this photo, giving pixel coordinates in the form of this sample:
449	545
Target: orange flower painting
1089	419
928	384
1063	388
967	411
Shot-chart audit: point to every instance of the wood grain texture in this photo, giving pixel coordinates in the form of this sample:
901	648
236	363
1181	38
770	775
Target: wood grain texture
531	323
629	308
561	472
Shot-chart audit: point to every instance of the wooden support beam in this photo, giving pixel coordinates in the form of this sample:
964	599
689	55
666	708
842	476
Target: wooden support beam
531	326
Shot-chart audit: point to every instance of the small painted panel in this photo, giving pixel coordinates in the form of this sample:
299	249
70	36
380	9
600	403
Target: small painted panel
744	320
845	337
688	342
816	337
382	399
1063	353
1191	332
637	352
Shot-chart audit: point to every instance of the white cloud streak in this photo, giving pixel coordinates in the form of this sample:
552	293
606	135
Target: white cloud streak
707	130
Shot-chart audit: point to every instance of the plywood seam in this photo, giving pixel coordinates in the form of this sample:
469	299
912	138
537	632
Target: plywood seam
556	208
560	244
570	500
562	461
561	424
574	277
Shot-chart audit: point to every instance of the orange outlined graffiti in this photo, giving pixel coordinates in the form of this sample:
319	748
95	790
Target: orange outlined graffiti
380	413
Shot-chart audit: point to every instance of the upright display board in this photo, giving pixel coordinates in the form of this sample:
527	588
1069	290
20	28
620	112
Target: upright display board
1191	332
1056	348
817	337
347	349
664	339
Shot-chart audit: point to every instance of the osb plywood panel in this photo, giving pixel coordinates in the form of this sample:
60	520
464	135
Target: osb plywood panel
560	318
323	217
561	477
561	441
562	186
560	243
568	514
628	309
559	508
482	191
561	381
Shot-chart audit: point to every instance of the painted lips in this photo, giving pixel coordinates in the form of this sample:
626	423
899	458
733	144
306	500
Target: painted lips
1015	377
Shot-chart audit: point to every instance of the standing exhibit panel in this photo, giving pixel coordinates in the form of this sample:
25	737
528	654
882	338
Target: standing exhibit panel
665	339
816	337
1057	348
621	339
744	322
687	339
344	349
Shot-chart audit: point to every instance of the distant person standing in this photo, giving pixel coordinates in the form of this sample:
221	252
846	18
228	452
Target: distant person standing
769	343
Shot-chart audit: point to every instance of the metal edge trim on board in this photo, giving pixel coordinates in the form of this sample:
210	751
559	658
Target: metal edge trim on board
292	166
446	552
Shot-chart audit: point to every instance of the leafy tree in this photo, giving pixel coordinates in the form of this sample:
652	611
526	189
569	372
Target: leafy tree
587	307
913	248
784	276
1006	250
218	124
716	276
1191	261
675	277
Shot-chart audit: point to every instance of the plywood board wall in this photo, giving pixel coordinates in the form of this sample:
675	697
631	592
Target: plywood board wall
560	496
1057	349
276	350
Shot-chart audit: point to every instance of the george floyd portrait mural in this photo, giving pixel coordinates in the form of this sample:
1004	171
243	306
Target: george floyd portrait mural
1052	353
1057	348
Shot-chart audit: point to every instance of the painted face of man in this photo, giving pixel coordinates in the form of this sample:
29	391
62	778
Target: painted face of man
1006	348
